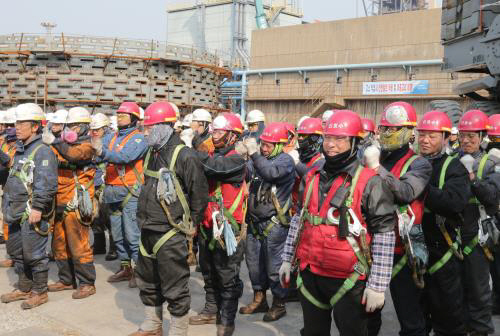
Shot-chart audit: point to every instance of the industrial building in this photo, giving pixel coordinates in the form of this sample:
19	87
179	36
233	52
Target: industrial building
360	64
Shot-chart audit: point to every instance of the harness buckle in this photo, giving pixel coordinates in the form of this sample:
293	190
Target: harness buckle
359	268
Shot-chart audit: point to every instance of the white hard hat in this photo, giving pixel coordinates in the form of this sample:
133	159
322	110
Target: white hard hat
2	116
9	117
327	115
99	120
29	112
178	125
202	115
176	109
454	130
255	116
186	122
114	122
302	119
49	116
59	117
78	115
141	113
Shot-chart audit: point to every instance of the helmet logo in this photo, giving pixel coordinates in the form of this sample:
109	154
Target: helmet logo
340	125
396	115
430	122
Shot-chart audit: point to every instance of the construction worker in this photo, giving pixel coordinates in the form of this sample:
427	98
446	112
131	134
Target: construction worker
446	197
57	122
8	149
453	143
479	216
255	122
172	201
326	116
100	127
200	124
290	146
187	133
368	128
28	205
221	254
123	152
74	210
347	211
493	149
407	175
272	175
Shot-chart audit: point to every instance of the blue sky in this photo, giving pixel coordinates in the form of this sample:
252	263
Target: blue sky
144	19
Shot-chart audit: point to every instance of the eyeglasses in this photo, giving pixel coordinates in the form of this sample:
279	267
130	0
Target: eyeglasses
469	136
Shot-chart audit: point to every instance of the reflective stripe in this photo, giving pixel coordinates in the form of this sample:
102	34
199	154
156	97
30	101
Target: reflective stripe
407	165
468	249
158	244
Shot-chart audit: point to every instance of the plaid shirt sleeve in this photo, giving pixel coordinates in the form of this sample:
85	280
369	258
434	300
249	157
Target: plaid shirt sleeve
293	231
382	255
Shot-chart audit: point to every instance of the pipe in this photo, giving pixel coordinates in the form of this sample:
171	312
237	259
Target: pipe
243	111
261	15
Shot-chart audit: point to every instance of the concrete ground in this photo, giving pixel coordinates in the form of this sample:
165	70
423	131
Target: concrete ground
117	310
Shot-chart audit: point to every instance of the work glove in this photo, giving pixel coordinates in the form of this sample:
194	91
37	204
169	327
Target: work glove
97	145
373	300
251	145
240	148
47	137
371	157
468	162
284	273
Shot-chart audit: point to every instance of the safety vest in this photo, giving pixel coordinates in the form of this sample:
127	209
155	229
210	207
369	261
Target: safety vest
234	197
417	206
68	175
320	247
10	150
296	186
127	174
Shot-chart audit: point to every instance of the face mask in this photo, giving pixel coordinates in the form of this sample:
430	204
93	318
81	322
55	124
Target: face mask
10	134
69	136
390	141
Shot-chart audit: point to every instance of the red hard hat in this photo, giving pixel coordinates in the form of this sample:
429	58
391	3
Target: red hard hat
311	126
159	112
228	122
289	127
130	108
275	132
473	120
494	125
399	114
436	121
344	123
368	125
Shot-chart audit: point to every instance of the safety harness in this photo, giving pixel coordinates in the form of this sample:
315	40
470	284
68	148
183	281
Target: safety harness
360	268
472	244
187	225
25	175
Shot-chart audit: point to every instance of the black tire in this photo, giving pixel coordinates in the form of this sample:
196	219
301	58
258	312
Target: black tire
450	107
488	107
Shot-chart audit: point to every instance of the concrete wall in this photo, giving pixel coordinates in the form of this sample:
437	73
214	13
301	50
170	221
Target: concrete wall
404	36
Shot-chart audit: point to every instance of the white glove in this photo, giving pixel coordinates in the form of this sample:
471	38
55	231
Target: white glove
371	157
468	162
47	137
373	300
97	145
240	148
284	273
251	145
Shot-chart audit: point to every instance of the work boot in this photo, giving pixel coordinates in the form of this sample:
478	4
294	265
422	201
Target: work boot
59	286
35	300
124	274
15	295
6	263
178	325
223	330
132	283
152	325
259	304
204	317
84	291
276	312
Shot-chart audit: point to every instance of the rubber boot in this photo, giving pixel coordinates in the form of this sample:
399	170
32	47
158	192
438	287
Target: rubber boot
124	274
99	243
276	312
259	304
179	325
223	330
153	323
35	300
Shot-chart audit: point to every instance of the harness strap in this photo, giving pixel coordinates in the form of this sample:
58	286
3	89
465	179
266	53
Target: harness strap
444	259
157	246
399	266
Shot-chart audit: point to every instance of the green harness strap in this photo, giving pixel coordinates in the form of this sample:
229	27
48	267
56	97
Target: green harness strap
402	262
158	244
361	268
444	259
